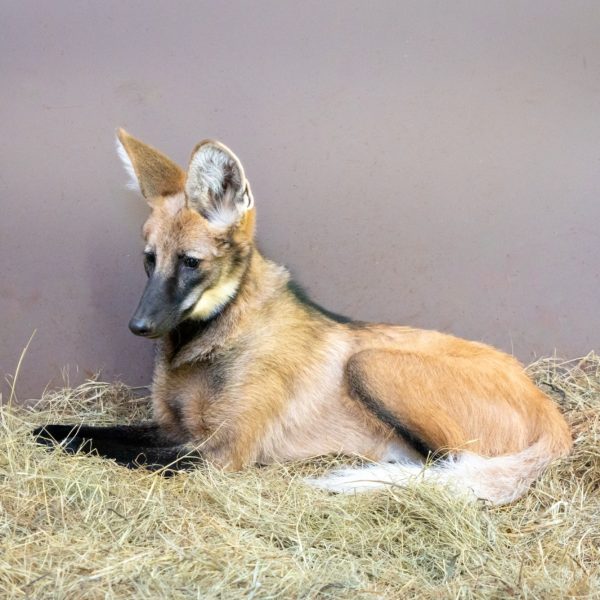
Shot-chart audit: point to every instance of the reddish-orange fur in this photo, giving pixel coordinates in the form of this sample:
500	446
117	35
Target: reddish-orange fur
271	379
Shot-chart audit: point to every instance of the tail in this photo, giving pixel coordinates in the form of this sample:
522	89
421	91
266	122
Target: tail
500	479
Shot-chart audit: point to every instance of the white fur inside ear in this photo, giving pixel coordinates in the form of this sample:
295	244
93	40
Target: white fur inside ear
133	183
222	216
217	186
209	165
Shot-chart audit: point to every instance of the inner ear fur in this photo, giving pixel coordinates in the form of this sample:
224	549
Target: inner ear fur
216	184
156	174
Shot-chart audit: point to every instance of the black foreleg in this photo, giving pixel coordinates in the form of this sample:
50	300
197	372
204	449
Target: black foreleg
133	446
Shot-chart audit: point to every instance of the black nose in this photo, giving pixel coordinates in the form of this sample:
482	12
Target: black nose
140	326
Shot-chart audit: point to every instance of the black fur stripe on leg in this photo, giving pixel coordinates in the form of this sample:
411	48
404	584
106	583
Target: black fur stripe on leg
359	392
132	446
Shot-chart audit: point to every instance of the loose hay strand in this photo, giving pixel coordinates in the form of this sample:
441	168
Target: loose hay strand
82	527
12	383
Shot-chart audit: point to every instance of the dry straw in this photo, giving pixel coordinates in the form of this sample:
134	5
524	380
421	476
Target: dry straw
80	527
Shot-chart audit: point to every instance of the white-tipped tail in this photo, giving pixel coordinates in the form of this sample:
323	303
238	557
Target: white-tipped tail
499	480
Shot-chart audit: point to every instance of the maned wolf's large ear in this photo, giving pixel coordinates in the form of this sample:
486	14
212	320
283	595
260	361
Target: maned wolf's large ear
151	171
216	185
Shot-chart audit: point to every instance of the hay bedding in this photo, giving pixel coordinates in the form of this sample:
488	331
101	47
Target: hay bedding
81	527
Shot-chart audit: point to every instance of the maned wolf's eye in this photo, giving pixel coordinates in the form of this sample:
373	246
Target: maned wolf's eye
190	262
149	262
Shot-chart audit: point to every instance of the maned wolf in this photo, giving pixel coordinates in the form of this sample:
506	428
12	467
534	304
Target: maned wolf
250	371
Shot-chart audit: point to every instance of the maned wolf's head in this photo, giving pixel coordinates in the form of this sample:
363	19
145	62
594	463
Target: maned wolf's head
199	236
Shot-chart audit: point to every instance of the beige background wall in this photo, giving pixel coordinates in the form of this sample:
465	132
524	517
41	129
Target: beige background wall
429	163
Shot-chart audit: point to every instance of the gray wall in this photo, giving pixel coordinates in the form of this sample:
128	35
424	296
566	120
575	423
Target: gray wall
428	163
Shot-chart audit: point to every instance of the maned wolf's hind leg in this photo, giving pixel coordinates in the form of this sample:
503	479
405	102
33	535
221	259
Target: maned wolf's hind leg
497	429
140	445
